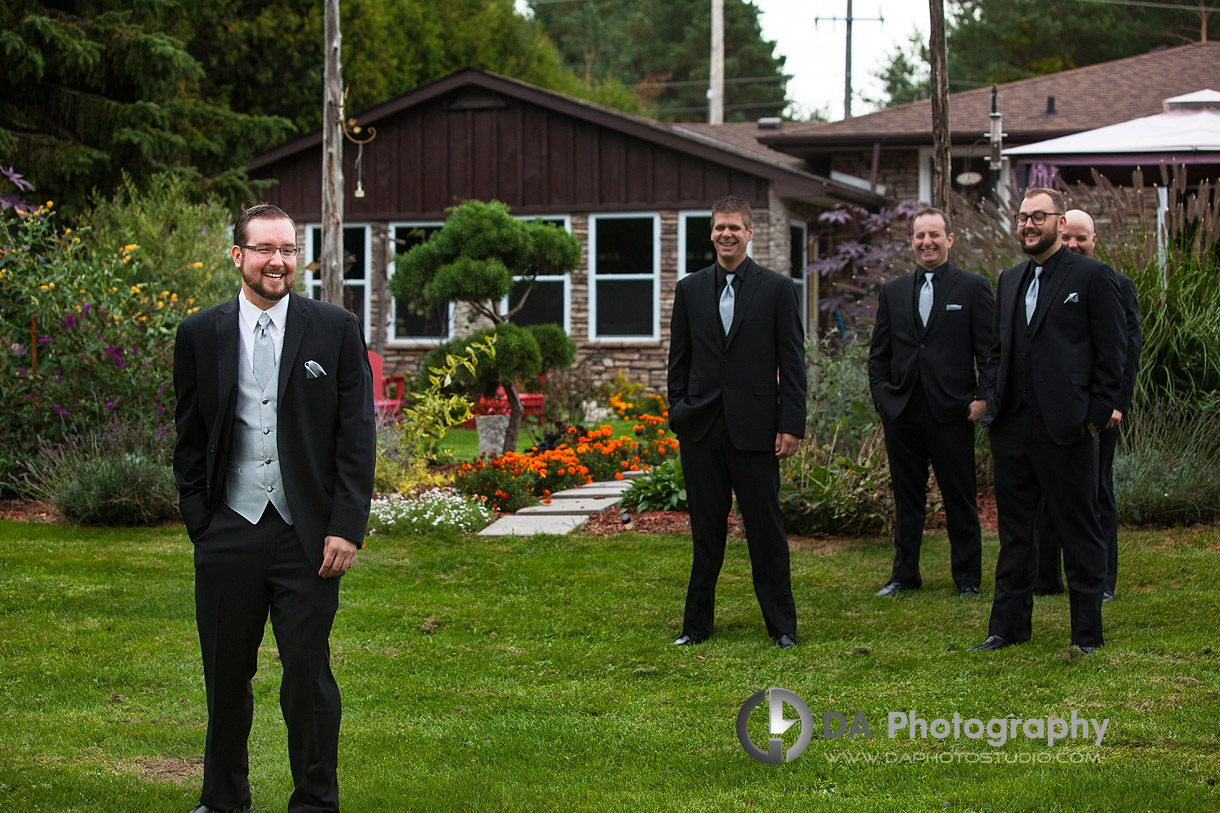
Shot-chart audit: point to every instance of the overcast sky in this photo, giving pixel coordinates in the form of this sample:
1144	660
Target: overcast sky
814	45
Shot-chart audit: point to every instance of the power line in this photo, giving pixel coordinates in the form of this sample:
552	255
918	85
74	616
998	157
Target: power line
702	82
1146	4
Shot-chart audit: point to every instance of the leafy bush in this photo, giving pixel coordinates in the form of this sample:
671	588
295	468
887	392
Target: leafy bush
839	404
430	510
662	488
87	324
826	492
1167	468
114	478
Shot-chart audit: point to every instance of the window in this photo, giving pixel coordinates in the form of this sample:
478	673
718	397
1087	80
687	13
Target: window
402	324
799	240
356	253
624	272
548	301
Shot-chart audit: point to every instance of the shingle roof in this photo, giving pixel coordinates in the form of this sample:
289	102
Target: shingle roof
1085	98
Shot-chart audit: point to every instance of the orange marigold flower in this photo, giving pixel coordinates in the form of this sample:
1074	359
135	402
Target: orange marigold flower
618	475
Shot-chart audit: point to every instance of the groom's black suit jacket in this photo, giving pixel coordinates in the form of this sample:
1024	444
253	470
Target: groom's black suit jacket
327	435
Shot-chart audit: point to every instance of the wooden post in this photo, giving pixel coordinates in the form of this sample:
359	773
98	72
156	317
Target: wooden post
715	107
331	260
941	157
847	70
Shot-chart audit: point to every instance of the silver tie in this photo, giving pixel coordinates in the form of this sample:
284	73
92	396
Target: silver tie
925	299
727	300
264	352
1031	296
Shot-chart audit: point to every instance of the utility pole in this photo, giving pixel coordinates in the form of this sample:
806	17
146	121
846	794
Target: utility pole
941	156
331	259
715	108
849	19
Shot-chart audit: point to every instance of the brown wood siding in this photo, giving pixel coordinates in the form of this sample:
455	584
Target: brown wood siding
428	158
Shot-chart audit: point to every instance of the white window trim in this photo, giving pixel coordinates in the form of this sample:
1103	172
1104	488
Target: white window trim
655	277
566	279
798	274
311	280
392	302
925	171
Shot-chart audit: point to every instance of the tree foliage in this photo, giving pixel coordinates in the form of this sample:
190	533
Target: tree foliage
1007	40
474	259
659	41
95	89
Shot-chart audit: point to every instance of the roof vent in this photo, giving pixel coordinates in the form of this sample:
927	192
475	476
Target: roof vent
473	97
1199	100
770	123
1050	105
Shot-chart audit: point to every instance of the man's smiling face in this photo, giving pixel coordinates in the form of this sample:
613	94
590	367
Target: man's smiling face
266	280
730	237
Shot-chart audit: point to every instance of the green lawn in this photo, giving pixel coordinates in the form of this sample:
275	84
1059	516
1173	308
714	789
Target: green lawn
536	674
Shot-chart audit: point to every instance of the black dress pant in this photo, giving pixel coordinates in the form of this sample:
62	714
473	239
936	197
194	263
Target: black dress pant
1049	579
714	470
1030	467
913	440
242	573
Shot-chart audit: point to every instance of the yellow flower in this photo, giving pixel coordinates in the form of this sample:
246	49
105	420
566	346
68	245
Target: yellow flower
196	265
50	203
52	286
67	232
164	294
130	247
135	289
42	287
160	304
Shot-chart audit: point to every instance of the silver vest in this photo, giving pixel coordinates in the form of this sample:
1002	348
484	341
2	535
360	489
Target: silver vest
253	478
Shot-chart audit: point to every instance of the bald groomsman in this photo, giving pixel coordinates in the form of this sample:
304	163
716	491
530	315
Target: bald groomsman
1080	236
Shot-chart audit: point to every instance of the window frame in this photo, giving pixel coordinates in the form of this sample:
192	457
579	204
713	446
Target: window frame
566	279
312	279
655	277
391	310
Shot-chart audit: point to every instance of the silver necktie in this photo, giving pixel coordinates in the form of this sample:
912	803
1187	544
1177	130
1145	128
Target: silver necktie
727	300
1031	296
925	299
264	352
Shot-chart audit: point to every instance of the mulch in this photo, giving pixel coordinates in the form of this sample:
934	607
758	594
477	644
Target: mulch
27	511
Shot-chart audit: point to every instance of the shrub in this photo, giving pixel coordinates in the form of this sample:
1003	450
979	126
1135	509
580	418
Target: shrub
113	478
840	405
430	510
507	482
831	493
662	488
1167	468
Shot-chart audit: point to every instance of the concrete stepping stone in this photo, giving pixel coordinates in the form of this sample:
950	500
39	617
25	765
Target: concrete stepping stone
572	505
530	524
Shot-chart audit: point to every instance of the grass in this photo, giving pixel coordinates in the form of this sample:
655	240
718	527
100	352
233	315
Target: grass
536	674
464	443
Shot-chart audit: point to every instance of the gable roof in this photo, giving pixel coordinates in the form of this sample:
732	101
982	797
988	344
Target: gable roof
781	169
1083	99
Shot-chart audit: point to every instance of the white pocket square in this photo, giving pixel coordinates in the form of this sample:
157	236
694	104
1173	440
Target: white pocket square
1072	297
313	369
952	307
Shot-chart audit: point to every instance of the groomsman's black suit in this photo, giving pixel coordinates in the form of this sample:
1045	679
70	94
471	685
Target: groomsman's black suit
1050	384
729	396
326	444
922	380
1049	579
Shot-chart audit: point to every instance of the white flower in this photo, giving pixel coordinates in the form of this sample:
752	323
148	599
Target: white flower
434	509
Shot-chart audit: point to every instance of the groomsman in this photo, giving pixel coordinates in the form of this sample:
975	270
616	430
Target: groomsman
1080	236
933	329
1052	380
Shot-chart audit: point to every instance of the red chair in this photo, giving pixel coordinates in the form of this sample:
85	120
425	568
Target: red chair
388	391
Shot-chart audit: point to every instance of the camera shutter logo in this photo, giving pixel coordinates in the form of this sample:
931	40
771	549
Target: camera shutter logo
774	754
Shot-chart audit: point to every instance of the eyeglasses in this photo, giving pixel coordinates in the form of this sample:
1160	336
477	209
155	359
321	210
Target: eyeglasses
269	251
1038	217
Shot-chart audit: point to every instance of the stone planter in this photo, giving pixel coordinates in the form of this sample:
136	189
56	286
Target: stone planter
492	429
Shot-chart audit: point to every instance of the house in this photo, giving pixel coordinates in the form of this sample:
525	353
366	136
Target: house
890	151
635	192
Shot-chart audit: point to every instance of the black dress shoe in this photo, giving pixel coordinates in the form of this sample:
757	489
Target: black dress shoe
894	588
1106	597
785	641
969	591
1088	650
206	809
992	642
688	640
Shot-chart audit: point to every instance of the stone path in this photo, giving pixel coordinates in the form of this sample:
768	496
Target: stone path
567	510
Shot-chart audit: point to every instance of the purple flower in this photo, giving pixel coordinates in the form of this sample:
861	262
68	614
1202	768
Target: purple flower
116	354
70	321
110	405
160	409
60	410
86	308
44	339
